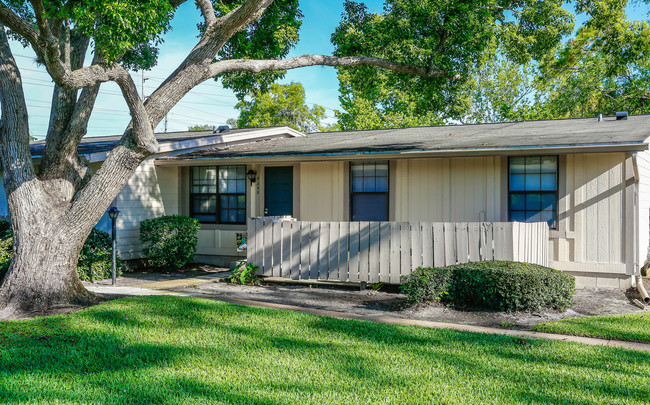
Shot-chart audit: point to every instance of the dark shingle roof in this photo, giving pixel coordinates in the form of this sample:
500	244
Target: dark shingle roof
99	144
564	133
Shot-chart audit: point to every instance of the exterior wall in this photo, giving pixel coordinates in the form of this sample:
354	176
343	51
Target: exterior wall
449	189
592	234
322	191
643	162
151	192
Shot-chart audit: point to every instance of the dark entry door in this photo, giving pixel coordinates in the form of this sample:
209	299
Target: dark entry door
278	190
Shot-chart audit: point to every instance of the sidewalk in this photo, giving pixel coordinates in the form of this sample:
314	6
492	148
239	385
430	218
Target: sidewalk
158	290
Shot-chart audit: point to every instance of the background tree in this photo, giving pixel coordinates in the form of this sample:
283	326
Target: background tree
199	127
603	68
242	42
452	36
282	104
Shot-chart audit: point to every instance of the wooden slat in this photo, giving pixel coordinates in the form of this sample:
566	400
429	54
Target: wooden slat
462	242
267	263
487	240
344	248
334	252
438	244
427	244
384	251
323	250
364	250
474	234
296	248
277	248
250	249
353	266
450	243
285	269
405	253
503	241
416	244
258	255
395	251
373	266
314	241
305	248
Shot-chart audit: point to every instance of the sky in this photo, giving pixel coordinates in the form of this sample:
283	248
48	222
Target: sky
209	103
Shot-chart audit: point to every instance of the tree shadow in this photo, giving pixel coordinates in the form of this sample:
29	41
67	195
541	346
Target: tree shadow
172	350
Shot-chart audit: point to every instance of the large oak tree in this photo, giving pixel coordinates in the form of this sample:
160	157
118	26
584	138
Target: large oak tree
427	44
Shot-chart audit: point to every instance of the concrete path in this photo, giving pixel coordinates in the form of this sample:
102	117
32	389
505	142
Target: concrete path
140	291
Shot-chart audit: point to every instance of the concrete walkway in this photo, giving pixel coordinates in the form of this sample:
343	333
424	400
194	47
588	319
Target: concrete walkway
140	291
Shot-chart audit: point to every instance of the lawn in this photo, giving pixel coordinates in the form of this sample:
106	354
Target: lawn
632	327
188	350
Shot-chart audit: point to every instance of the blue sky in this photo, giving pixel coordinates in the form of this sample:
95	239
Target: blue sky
208	103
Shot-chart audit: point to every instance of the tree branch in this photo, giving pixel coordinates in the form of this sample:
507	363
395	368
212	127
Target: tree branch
255	66
208	13
243	15
14	128
141	137
21	27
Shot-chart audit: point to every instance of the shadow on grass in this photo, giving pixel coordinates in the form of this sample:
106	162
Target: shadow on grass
170	350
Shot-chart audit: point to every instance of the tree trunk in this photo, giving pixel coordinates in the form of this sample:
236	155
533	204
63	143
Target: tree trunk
43	273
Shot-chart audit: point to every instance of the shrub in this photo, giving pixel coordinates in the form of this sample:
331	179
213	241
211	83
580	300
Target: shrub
511	286
6	253
425	284
170	241
498	285
245	274
96	257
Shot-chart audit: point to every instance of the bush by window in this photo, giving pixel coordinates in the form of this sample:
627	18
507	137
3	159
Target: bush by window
169	241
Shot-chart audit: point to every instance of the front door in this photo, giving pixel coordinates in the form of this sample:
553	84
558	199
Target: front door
278	191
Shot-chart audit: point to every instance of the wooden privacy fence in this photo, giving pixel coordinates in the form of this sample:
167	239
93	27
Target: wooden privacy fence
384	251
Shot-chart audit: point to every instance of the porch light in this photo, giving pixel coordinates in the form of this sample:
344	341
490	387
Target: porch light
113	212
251	175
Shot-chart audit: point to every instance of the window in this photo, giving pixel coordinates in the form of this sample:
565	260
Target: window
369	191
533	189
218	194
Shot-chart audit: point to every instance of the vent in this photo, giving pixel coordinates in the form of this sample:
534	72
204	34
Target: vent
621	115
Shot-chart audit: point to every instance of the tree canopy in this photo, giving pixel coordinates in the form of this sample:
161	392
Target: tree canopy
282	104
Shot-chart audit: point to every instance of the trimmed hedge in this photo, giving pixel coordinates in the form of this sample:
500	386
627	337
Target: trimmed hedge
497	285
169	241
95	258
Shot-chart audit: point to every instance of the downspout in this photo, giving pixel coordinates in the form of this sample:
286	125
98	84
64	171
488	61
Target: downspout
637	271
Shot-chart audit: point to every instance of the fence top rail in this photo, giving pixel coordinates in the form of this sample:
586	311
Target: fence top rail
287	218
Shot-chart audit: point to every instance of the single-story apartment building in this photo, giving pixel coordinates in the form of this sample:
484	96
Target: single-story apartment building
589	179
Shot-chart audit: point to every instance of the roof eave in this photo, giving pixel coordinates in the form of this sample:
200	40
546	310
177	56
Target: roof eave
397	154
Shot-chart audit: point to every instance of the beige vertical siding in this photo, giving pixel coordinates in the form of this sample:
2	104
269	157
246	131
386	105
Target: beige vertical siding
643	162
448	189
150	192
591	235
322	191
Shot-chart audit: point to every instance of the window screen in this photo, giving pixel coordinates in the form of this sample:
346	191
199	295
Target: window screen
218	194
369	191
533	189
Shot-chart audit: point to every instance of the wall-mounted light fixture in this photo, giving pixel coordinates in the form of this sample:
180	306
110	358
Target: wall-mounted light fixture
251	175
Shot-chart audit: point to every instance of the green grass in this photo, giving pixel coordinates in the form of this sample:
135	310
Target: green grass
168	350
631	327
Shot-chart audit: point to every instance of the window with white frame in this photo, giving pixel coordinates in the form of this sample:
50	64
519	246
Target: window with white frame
218	194
369	191
533	189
